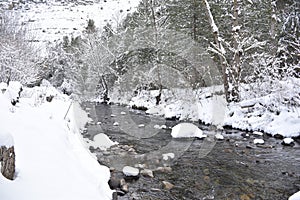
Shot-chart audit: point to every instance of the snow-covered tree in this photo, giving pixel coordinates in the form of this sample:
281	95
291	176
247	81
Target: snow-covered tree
18	58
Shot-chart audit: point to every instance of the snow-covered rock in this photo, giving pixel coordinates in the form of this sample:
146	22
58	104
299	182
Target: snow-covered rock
183	130
219	136
116	124
166	156
102	141
258	133
288	141
141	125
295	196
258	141
160	127
130	171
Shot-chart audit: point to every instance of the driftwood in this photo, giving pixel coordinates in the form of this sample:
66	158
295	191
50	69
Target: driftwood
7	159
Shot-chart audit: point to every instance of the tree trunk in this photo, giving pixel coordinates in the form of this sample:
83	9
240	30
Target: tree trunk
194	34
215	31
235	70
105	89
157	59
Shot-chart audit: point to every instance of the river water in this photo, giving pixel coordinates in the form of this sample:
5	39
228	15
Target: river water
233	168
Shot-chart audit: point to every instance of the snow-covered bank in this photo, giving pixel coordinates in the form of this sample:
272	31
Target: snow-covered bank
267	114
51	161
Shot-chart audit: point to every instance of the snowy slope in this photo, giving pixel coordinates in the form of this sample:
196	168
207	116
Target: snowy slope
51	162
50	21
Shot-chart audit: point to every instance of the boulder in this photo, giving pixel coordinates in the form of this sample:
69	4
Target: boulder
7	159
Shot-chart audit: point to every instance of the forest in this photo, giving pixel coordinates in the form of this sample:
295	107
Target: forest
200	43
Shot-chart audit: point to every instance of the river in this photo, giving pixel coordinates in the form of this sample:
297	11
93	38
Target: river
233	168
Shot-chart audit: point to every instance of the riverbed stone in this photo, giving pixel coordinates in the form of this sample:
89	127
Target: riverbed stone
124	186
147	173
155	190
114	183
167	185
206	172
245	197
164	169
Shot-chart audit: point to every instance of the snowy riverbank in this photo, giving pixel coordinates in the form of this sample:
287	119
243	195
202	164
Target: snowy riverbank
268	113
51	160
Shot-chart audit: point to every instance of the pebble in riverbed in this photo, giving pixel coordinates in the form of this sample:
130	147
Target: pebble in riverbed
167	185
147	173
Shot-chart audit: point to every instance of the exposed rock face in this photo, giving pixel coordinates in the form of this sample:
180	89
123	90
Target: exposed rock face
7	159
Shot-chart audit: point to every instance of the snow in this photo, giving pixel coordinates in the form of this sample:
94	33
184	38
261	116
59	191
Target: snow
130	171
219	136
166	156
209	106
6	140
288	140
258	141
183	130
49	22
156	126
211	19
258	133
236	28
101	141
51	160
295	196
116	124
141	125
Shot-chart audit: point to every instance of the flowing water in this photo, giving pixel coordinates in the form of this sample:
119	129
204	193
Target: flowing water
233	168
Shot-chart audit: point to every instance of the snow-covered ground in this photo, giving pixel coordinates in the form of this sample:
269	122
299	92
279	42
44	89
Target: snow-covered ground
267	113
51	160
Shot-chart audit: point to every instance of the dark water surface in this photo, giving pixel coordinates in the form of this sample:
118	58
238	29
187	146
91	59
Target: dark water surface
233	168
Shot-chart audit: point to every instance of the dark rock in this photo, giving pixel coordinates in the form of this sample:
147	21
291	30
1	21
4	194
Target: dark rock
139	108
115	196
131	178
114	183
120	193
13	102
49	98
7	159
278	136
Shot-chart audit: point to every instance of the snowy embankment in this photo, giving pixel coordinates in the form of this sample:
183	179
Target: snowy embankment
51	161
267	114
